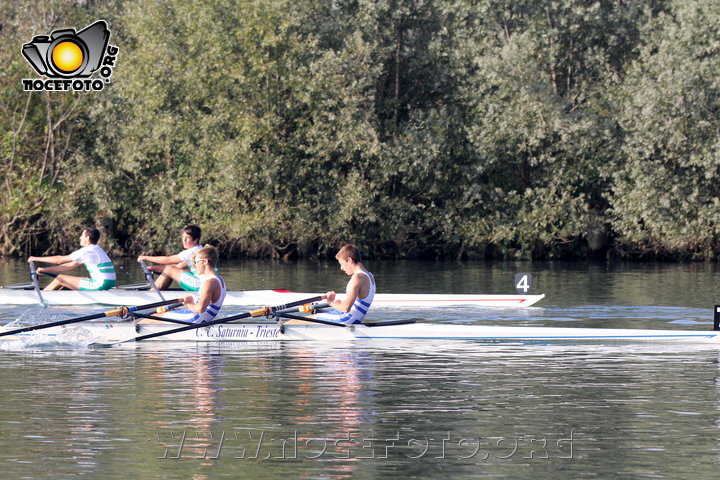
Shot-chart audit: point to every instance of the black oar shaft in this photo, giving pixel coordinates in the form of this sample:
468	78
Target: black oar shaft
18	286
58	323
162	319
254	313
311	320
110	313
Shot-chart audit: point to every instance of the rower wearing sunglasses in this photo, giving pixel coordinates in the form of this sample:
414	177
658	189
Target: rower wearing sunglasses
207	304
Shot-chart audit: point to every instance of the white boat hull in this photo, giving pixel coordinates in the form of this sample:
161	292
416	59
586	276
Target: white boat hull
258	297
108	332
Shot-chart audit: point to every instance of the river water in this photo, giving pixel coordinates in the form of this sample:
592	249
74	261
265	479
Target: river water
410	409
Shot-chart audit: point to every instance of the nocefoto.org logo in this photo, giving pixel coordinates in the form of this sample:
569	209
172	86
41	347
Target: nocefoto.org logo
68	59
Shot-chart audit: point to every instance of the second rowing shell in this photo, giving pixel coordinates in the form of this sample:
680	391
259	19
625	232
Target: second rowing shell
260	297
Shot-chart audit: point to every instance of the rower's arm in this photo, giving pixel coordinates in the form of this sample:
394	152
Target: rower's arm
161	259
207	293
353	291
64	267
56	259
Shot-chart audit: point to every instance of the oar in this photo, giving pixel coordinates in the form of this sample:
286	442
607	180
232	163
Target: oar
162	319
338	324
262	311
149	278
18	286
120	311
307	308
36	283
407	321
163	310
312	320
133	286
27	285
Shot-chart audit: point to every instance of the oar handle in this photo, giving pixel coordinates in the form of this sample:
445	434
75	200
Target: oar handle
167	308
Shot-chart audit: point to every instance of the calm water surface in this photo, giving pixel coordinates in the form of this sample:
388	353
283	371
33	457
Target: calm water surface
416	409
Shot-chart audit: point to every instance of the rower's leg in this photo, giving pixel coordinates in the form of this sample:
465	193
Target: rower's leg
62	282
169	274
163	282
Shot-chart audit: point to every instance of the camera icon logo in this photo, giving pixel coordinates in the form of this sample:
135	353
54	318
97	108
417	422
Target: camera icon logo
68	54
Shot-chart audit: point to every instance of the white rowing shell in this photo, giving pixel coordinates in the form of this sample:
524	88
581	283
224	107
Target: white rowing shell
106	332
259	297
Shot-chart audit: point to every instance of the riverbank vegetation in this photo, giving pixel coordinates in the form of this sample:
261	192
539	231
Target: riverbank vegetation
447	128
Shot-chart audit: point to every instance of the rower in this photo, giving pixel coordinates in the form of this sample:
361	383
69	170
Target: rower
212	291
178	267
97	262
359	292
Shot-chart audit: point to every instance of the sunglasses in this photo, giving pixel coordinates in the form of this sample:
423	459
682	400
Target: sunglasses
198	260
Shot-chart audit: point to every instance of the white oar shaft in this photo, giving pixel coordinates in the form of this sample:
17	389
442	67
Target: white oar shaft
36	283
149	278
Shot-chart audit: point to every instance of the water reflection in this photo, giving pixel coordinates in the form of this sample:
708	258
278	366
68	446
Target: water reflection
186	390
420	408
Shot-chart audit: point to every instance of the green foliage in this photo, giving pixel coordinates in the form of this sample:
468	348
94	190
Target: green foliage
457	128
39	135
665	192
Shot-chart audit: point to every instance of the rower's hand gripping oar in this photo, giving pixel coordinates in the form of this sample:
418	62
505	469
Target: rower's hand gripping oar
306	308
116	312
149	278
260	312
36	283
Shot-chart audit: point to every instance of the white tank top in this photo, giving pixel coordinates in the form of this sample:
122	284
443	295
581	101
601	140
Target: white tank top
213	308
361	306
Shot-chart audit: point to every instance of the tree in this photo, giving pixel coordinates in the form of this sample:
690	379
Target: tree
39	135
665	196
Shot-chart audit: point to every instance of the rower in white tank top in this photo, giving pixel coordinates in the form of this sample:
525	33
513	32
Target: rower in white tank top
359	308
210	312
212	293
359	292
